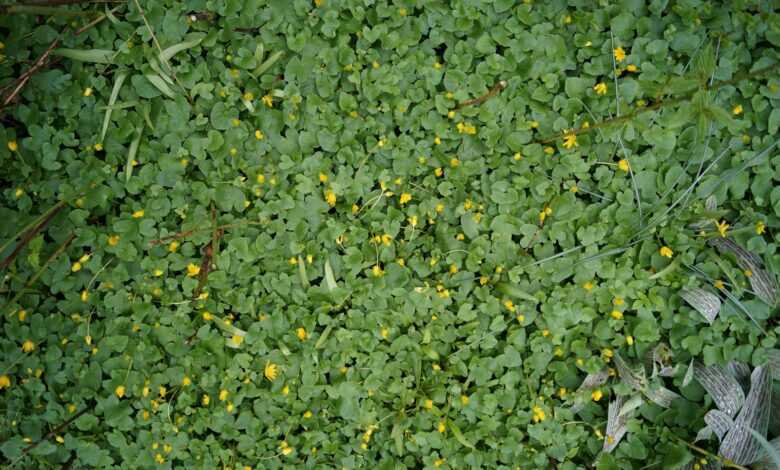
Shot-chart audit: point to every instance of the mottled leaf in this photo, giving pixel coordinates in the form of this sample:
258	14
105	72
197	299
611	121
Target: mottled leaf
773	362
704	434
770	459
719	422
763	283
722	387
616	425
739	445
706	303
688	374
631	404
741	372
660	395
634	379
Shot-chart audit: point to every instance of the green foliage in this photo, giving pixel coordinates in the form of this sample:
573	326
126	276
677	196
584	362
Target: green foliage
315	234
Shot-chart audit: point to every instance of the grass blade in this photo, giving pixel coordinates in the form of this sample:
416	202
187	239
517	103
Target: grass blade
168	53
267	64
160	84
131	154
330	279
119	79
98	56
459	435
721	386
740	446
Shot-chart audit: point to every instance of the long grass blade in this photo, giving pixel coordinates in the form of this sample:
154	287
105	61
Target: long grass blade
118	80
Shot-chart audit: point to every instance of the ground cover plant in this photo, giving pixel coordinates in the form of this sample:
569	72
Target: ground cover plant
403	234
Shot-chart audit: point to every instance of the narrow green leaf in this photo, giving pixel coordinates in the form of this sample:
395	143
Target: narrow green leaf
267	64
118	80
459	435
323	337
131	154
98	56
160	84
171	51
302	272
330	279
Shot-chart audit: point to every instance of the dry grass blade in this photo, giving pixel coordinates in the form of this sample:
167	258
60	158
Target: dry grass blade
706	303
722	387
739	445
773	362
616	425
591	381
25	77
741	372
660	395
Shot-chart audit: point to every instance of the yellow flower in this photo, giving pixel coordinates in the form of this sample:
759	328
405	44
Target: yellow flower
259	134
545	333
451	114
520	319
719	284
318	3
159	459
632	68
377	271
402	12
438	172
437	65
229	407
437	140
588	286
436	366
237	340
84	295
630	340
438	462
271	371
193	270
120	391
441	427
162	391
413	221
22	315
404	198
666	252
596	395
330	198
620	54
138	214
13	146
205	399
173	246
5	381
509	305
223	395
207	316
569	140
623	165
76	267
617	314
747	273
723	228
737	110
249	96
600	88
28	346
760	228
538	414
375	64
268	100
454	162
301	333
618	301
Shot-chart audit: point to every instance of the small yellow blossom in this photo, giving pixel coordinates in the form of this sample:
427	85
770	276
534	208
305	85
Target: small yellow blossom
454	162
760	227
719	284
737	110
28	346
13	146
22	315
76	267
138	214
723	228
616	314
173	246
545	333
509	305
441	427
620	54
437	140
268	100
436	367
5	381
162	391
229	407
632	68
377	271
538	414
271	371
237	340
120	391
630	340
588	286
301	333
413	221
404	198
205	399
618	301
596	395
666	252
159	459
600	88
330	198
223	395
623	165
748	273
259	134
98	147
87	92
437	65
207	316
193	270
84	295
569	140
375	64
453	269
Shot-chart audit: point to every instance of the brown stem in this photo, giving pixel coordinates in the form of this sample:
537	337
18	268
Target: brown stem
54	431
29	235
500	85
187	233
660	104
22	80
